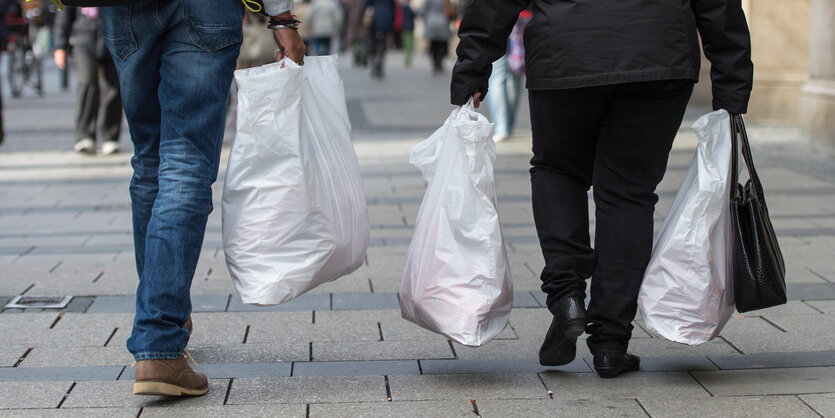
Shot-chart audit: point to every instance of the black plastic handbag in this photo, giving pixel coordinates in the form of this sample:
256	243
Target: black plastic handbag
759	270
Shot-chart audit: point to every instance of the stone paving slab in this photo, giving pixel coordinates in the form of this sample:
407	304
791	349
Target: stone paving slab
248	411
52	374
381	350
573	386
307	302
233	370
121	304
795	333
502	366
120	394
307	390
548	408
10	355
768	406
251	353
412	409
822	404
775	360
73	413
467	386
17	395
768	381
356	368
365	301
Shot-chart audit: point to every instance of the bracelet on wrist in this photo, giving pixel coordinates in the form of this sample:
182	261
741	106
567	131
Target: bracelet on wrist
291	23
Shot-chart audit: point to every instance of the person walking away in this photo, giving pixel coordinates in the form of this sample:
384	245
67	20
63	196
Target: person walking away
408	32
436	17
175	61
79	29
355	32
4	6
608	85
505	85
381	26
324	20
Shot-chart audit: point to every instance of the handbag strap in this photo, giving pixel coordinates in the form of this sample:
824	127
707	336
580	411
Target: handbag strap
740	137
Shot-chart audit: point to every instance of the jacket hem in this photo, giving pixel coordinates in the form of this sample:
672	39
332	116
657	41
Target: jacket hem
612	78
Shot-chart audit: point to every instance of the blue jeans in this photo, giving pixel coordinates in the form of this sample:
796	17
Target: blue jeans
503	91
175	61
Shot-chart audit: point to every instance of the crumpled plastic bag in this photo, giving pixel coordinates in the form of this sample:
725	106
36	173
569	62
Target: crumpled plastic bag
687	292
294	211
457	281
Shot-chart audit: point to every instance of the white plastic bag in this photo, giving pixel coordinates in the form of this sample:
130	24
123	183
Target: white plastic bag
294	212
687	293
457	280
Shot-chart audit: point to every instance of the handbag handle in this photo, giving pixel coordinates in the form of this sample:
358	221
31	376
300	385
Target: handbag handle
740	135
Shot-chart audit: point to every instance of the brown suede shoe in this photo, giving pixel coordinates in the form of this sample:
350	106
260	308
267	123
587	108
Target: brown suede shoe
168	378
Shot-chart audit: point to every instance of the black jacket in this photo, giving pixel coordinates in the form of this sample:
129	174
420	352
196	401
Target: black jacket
85	32
581	43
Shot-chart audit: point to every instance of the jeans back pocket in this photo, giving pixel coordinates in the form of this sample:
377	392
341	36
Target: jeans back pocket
216	26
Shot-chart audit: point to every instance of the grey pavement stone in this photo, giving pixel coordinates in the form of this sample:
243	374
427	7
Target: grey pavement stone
10	355
670	363
825	306
233	370
122	304
467	386
822	404
52	374
381	350
768	406
251	353
775	360
811	291
307	302
547	408
77	357
502	366
768	381
356	368
803	333
500	349
249	411
73	413
574	386
793	307
352	283
525	299
412	409
327	328
120	394
79	304
307	390
31	322
19	395
365	301
656	347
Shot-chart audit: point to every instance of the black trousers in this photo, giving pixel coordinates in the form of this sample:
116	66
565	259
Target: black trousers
438	50
616	139
377	52
98	97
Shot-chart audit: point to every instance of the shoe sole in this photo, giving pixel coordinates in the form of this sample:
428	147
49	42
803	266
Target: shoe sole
612	373
557	356
165	389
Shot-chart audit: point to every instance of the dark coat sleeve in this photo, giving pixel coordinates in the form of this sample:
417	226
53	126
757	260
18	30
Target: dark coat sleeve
63	27
484	30
727	45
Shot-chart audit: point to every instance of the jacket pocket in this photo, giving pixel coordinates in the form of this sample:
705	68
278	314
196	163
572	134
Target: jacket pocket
216	26
117	31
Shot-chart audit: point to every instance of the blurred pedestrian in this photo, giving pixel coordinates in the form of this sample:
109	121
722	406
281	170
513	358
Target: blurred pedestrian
380	28
407	32
356	33
79	29
437	14
323	21
608	86
505	86
4	5
176	61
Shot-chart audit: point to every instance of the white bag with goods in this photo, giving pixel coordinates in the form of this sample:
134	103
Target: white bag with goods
294	211
687	292
457	280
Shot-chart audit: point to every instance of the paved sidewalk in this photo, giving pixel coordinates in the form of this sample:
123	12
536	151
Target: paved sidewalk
342	349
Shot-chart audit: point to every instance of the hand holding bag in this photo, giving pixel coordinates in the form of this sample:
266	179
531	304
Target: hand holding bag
759	270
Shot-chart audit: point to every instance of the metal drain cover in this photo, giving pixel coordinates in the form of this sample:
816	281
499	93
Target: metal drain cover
39	302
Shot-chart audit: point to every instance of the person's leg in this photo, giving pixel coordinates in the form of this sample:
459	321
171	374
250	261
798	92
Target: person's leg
197	59
133	37
378	54
565	126
514	91
87	94
408	48
111	102
636	135
497	100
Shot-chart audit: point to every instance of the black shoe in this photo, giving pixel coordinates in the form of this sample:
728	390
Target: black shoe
560	345
608	366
